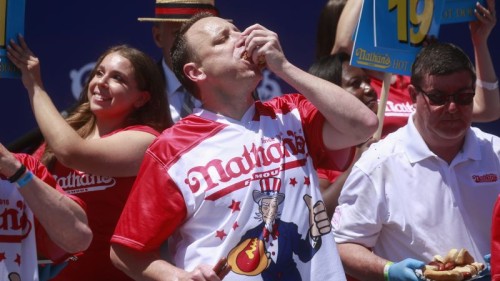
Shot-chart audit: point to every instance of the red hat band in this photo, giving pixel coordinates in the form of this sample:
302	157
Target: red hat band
183	10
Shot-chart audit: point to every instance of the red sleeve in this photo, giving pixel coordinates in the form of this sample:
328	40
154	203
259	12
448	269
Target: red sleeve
312	123
154	209
38	153
495	242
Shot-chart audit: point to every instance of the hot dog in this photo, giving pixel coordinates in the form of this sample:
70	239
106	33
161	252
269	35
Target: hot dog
456	266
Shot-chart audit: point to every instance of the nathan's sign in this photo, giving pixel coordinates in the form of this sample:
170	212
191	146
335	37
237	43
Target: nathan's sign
11	24
456	11
391	32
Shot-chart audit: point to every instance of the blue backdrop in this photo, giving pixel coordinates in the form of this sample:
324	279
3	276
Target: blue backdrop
68	36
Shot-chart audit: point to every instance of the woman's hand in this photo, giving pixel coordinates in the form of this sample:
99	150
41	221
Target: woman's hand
24	59
481	28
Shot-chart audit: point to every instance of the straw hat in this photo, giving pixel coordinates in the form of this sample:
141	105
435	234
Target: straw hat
181	10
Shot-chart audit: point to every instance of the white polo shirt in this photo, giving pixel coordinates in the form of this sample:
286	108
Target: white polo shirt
403	201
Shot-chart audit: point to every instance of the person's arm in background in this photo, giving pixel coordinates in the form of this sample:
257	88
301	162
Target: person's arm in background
487	101
346	27
63	219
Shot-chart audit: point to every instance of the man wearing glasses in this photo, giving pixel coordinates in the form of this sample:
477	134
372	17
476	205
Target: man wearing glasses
428	187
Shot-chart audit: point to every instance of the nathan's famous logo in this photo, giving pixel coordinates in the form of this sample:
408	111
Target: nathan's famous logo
81	182
372	59
485	178
217	171
14	224
398	108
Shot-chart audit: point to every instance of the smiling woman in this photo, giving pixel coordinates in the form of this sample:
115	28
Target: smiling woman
96	152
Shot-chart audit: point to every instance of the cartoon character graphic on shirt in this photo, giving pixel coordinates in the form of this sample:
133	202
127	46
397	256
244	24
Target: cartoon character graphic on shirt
268	248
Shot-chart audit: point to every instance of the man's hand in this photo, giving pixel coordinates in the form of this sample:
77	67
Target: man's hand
481	28
24	59
264	47
405	270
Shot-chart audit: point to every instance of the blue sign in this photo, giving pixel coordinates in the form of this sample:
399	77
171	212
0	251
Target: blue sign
11	24
405	24
391	32
456	11
366	54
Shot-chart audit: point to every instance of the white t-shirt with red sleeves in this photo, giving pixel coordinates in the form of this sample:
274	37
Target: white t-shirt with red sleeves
18	259
22	238
201	183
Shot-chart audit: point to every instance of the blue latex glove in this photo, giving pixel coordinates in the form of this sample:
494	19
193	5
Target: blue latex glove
405	270
487	266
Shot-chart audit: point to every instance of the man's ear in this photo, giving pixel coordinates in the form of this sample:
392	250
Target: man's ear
193	72
156	31
413	93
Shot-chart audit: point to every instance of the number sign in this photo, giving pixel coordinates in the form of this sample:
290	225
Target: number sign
391	32
11	24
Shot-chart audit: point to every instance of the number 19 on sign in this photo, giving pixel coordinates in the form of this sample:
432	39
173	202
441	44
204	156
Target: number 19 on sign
420	18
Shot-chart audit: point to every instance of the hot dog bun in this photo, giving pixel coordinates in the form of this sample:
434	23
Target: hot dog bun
464	257
445	275
455	266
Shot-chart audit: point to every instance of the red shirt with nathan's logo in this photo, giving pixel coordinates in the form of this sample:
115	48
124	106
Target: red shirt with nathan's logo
105	198
399	104
208	183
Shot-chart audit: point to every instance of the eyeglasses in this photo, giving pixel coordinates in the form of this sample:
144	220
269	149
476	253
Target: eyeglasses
441	99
